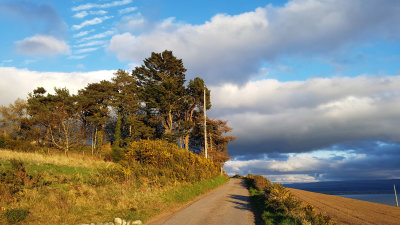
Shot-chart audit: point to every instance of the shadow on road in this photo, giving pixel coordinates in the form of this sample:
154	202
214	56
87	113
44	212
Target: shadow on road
246	205
242	202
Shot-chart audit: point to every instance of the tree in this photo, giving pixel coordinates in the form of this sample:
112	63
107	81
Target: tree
95	102
40	117
218	141
193	107
56	116
161	88
64	128
125	101
13	117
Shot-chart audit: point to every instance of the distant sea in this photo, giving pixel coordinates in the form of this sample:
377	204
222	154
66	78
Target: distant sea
379	191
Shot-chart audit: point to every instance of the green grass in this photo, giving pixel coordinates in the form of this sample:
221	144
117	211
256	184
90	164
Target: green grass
67	191
188	192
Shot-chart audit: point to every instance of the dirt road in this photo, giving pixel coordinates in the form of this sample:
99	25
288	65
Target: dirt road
351	211
227	205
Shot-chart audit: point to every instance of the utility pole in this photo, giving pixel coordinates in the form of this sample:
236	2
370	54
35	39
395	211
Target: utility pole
205	123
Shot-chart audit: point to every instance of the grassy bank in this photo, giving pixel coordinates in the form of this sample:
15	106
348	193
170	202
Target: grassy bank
55	189
274	204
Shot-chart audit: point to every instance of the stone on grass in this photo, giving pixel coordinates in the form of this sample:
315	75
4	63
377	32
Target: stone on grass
137	222
118	221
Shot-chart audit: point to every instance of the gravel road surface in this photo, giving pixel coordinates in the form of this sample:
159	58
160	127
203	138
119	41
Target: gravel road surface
228	205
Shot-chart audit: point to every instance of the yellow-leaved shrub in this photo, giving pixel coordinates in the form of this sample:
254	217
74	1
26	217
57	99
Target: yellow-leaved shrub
164	161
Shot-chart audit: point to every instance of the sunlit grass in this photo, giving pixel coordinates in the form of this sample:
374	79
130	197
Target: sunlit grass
73	160
71	193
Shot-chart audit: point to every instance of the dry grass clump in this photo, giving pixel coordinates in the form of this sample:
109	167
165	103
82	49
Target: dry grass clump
73	160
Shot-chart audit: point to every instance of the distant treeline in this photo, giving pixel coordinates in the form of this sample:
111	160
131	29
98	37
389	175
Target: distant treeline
152	102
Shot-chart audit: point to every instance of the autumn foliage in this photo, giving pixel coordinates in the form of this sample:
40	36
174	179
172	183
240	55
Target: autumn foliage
165	160
276	205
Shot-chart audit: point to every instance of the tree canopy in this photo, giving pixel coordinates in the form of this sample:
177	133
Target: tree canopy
154	101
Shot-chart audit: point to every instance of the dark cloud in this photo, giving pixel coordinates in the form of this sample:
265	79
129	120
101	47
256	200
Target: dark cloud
42	18
291	117
364	160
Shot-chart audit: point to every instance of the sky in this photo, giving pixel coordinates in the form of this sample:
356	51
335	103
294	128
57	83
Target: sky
310	87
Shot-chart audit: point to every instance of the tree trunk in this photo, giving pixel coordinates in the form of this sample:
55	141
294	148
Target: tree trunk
117	133
186	140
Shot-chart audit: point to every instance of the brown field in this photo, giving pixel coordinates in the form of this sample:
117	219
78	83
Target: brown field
350	211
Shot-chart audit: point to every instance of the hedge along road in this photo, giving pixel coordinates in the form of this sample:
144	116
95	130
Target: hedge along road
227	205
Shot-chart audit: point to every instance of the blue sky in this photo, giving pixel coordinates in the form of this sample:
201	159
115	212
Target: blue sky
311	87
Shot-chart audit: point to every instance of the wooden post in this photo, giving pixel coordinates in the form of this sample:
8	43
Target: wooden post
205	123
395	194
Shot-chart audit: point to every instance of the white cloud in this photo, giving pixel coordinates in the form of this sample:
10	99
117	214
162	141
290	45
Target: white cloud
83	33
298	116
105	5
6	61
127	10
93	21
27	80
83	14
77	56
39	45
97	36
91	43
98	12
85	50
131	23
231	47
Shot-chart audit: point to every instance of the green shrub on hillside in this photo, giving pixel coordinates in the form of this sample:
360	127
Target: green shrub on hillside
16	215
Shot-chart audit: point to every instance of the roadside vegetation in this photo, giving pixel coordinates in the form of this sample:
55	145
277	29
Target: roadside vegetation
34	191
276	205
131	147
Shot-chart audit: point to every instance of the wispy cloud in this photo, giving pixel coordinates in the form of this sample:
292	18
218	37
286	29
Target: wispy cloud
94	21
83	33
83	14
85	50
42	45
127	10
92	43
97	36
77	56
6	62
103	6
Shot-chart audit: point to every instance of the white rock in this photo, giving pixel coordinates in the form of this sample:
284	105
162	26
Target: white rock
118	221
136	222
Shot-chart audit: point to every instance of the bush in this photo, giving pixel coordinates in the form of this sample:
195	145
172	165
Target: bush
279	206
261	182
3	143
16	215
161	159
116	154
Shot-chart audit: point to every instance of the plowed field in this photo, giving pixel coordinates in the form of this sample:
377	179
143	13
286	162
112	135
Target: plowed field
351	211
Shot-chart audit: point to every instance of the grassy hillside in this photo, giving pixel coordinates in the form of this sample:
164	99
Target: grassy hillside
151	177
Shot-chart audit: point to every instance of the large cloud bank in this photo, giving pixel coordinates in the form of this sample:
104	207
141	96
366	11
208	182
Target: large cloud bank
232	47
270	116
17	83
